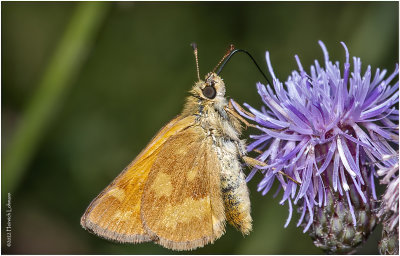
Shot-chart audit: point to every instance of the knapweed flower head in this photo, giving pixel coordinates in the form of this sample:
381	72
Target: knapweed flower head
389	209
324	128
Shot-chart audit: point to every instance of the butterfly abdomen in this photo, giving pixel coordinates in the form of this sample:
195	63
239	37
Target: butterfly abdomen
234	190
225	133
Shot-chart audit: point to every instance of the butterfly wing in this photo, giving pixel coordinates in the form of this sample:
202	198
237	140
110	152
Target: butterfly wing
115	213
181	203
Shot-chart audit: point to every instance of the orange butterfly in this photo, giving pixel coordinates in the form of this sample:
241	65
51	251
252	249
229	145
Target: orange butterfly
188	181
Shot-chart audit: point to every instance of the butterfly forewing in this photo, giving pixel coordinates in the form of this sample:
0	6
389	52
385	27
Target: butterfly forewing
115	213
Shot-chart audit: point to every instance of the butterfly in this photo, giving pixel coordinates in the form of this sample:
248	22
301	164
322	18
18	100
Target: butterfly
185	185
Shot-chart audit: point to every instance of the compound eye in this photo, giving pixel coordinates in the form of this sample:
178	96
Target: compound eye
209	92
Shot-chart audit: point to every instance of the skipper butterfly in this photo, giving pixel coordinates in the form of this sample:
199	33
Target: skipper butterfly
187	183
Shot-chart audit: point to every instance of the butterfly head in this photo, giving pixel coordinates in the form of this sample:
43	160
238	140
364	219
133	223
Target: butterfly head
212	89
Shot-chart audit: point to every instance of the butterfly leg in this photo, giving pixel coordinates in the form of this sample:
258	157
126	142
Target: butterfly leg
233	112
254	162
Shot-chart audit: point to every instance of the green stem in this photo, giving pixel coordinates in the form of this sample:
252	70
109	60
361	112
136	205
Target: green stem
62	68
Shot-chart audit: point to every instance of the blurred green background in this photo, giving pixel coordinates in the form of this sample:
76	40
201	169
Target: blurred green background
86	85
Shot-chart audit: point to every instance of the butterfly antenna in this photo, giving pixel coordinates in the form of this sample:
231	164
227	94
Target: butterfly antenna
230	54
194	46
229	51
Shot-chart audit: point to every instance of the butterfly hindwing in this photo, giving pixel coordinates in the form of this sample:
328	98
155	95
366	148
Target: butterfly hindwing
182	205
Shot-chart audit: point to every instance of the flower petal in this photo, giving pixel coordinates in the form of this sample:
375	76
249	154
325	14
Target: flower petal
346	157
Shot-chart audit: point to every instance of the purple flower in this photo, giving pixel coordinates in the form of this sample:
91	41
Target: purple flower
324	129
388	213
389	210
